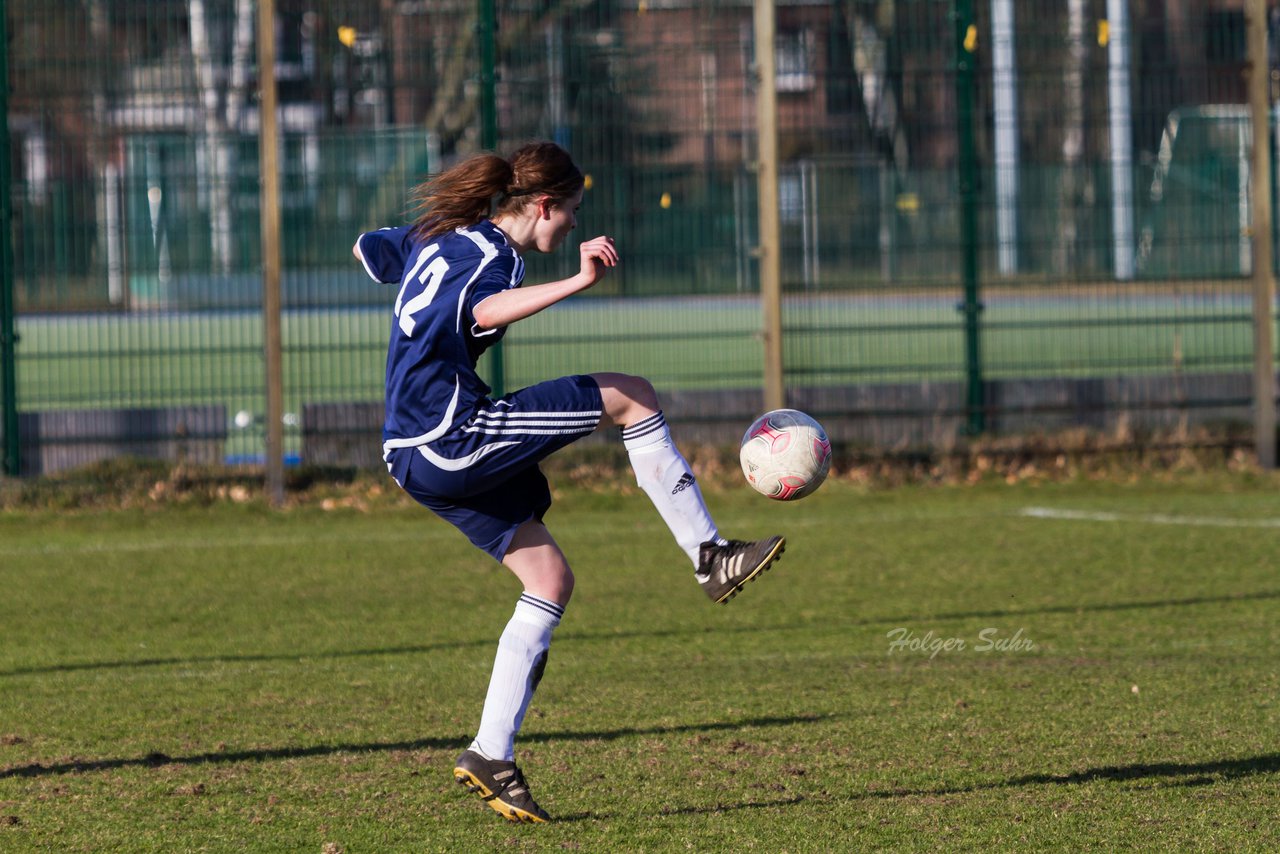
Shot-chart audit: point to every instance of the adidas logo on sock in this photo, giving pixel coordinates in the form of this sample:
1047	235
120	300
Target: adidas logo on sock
686	480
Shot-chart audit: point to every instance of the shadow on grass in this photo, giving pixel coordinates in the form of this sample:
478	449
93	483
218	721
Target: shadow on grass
1098	607
1176	773
1179	773
667	811
247	658
457	742
571	637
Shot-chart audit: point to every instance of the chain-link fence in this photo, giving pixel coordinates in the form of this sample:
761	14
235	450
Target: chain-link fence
1089	160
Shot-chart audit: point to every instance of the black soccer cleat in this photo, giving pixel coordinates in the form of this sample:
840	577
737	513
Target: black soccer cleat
500	784
724	570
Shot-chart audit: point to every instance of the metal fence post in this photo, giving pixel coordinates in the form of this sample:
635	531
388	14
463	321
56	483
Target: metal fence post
770	248
966	44
268	146
488	38
1264	378
8	335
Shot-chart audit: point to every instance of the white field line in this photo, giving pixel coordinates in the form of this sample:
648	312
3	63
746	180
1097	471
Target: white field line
1146	518
212	545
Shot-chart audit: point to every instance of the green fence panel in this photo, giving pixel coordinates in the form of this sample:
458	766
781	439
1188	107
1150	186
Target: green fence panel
1112	220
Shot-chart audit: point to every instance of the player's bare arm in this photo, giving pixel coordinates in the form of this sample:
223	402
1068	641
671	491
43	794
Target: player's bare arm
597	256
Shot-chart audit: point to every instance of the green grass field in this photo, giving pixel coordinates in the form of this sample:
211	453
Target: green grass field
224	677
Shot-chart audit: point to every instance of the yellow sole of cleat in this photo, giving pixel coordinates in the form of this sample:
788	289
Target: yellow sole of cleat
469	782
764	565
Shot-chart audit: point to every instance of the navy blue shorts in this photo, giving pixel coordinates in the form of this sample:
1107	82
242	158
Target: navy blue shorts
483	477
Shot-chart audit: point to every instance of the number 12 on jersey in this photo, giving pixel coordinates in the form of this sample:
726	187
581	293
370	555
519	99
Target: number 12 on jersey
429	279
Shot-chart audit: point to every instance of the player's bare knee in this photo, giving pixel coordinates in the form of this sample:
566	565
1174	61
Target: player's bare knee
643	393
553	583
627	398
566	586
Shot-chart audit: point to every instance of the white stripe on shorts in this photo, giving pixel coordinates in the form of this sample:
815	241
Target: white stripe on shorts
489	421
503	422
529	431
506	413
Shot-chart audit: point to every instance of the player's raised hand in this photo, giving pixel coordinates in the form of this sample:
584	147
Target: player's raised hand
597	254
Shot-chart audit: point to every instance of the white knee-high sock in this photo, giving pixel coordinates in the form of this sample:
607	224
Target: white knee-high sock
665	477
517	668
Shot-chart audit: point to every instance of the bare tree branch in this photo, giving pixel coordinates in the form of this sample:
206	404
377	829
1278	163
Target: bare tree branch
454	110
241	52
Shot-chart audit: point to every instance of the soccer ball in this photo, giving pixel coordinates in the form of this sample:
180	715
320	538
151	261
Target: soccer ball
785	454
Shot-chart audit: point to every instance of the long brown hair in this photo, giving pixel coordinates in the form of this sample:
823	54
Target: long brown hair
464	194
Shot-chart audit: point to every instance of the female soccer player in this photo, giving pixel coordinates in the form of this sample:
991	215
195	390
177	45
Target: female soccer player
473	459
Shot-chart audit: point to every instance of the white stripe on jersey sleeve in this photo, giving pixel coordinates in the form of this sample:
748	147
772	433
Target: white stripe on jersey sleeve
489	254
364	263
517	276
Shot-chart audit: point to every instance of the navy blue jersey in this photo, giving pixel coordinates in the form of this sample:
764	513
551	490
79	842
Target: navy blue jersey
432	384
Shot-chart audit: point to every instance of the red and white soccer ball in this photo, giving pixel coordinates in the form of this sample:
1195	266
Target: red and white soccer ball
785	454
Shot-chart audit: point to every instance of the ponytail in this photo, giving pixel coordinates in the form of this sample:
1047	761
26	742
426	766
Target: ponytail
463	195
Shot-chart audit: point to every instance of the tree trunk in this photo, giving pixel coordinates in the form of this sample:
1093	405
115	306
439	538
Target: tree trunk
1072	187
101	146
219	136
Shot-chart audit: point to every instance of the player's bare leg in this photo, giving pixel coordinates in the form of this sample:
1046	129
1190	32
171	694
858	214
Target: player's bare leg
488	766
722	567
536	559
